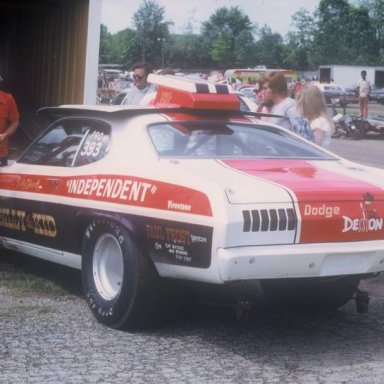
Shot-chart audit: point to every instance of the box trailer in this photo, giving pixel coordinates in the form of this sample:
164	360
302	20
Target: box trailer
349	75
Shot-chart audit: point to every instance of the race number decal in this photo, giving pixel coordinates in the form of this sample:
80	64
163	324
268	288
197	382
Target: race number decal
93	144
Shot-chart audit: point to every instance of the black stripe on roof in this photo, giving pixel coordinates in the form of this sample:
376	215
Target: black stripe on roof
221	88
202	88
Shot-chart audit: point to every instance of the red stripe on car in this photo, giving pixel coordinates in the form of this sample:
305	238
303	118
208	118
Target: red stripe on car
333	207
113	188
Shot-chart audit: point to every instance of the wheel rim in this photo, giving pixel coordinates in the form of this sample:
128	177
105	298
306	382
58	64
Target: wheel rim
108	266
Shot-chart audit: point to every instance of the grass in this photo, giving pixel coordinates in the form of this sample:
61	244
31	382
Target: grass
26	276
23	310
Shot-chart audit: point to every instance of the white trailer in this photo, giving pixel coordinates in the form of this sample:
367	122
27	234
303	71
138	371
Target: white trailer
349	75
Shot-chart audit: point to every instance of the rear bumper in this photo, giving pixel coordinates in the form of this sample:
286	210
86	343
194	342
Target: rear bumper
300	260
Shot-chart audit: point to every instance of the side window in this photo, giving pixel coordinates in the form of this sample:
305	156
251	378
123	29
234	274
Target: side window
163	137
61	144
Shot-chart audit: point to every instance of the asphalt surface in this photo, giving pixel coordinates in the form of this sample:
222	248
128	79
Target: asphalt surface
50	338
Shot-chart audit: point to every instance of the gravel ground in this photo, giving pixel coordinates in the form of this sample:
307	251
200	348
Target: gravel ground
48	335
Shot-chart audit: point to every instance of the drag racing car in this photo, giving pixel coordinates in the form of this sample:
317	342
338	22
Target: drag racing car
191	189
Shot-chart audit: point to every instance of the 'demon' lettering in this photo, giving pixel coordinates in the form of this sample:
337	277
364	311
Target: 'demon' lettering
362	225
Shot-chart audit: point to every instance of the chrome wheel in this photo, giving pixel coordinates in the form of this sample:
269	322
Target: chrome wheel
108	266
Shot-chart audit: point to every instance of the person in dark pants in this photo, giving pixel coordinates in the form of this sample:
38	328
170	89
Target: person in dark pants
9	121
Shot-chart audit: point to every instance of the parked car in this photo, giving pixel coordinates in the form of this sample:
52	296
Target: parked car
337	94
191	189
377	94
248	92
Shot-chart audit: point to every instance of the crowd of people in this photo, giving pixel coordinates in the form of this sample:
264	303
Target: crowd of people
306	114
308	103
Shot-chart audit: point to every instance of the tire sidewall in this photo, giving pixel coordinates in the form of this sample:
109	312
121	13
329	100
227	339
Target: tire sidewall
110	312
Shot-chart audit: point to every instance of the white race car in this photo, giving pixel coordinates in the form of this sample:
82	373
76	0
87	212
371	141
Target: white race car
193	189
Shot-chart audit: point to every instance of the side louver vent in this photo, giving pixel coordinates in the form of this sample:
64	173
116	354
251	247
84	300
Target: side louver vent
269	220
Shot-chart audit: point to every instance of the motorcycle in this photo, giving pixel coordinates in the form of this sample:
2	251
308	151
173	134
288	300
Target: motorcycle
373	125
347	125
355	127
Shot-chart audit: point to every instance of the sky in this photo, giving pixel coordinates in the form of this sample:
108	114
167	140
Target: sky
117	14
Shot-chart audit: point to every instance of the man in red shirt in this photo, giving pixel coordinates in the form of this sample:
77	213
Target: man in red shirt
9	121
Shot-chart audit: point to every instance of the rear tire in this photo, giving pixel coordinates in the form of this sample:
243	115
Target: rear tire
310	294
359	132
118	279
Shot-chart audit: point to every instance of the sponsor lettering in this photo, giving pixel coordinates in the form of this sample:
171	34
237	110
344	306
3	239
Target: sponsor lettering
28	185
323	210
165	96
177	236
178	206
169	234
40	224
198	239
43	225
176	243
154	232
114	188
363	224
12	218
370	221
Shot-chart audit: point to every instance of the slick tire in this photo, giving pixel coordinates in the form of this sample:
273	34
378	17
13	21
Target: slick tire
310	294
118	279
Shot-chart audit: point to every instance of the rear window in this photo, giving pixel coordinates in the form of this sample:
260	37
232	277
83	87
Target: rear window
216	139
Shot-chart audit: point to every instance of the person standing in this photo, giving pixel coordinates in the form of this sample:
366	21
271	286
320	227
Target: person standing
276	93
311	105
364	90
140	87
265	104
298	87
9	121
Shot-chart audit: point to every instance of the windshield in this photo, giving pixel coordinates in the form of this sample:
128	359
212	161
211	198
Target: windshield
218	139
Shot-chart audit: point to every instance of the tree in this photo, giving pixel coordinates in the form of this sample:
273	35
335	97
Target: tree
269	48
226	32
152	31
375	9
361	37
106	54
297	52
128	45
336	33
331	34
344	34
189	51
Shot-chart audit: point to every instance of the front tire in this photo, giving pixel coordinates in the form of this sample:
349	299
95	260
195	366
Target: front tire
118	279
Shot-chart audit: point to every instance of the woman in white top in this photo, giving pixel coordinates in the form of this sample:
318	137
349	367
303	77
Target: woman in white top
311	105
